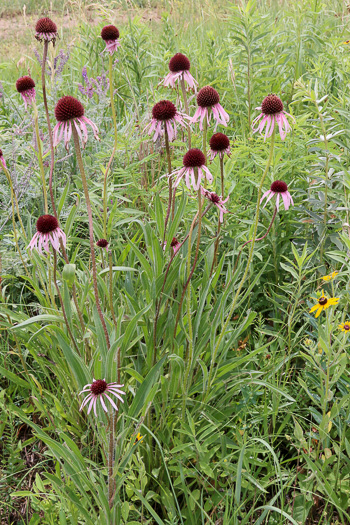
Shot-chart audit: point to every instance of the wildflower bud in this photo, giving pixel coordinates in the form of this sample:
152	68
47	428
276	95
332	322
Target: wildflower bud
68	273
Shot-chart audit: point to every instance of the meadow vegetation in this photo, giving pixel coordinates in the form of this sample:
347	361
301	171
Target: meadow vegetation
230	338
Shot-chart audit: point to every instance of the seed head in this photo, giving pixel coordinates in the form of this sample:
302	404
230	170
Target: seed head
207	97
322	301
68	108
179	62
278	186
45	25
24	84
213	197
98	387
194	158
271	105
219	142
102	243
164	110
46	224
109	33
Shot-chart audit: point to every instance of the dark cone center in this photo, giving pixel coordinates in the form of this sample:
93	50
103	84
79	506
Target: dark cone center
46	224
109	33
219	142
98	387
278	186
271	104
24	84
45	25
207	97
323	300
164	110
68	108
194	158
179	62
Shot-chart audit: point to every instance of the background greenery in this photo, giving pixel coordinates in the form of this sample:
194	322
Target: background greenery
269	441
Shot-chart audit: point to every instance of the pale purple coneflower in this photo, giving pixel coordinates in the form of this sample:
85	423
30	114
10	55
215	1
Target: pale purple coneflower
219	145
48	232
208	103
271	115
26	88
2	159
103	244
179	67
110	35
99	389
194	169
217	201
69	111
279	188
175	244
46	29
165	115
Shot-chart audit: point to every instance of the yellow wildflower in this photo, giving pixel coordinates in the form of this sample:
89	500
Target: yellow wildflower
346	42
138	438
330	277
345	327
324	303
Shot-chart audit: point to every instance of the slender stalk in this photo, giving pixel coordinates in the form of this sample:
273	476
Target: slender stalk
256	240
326	170
52	165
111	481
40	156
167	147
110	264
219	223
189	319
184	96
195	259
158	304
229	315
61	301
52	150
111	93
91	233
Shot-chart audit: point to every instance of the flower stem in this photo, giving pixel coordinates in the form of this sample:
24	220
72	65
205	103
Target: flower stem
40	156
256	240
52	150
219	223
111	92
189	319
158	304
250	257
184	96
167	147
61	301
195	258
91	232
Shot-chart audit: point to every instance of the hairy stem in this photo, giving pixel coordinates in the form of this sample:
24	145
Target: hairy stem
250	257
167	147
91	232
40	156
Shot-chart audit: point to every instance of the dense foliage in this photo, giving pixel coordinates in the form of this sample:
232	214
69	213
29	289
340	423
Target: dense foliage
237	396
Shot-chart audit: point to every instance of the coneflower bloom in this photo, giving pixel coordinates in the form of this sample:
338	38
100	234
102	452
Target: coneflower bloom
271	115
2	159
217	201
179	67
110	35
48	232
103	243
98	390
323	303
219	145
330	277
345	327
208	103
194	169
69	111
165	115
279	188
175	244
46	29
26	88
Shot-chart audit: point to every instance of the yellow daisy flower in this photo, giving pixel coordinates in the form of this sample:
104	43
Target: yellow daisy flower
346	42
323	303
345	327
330	277
138	438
